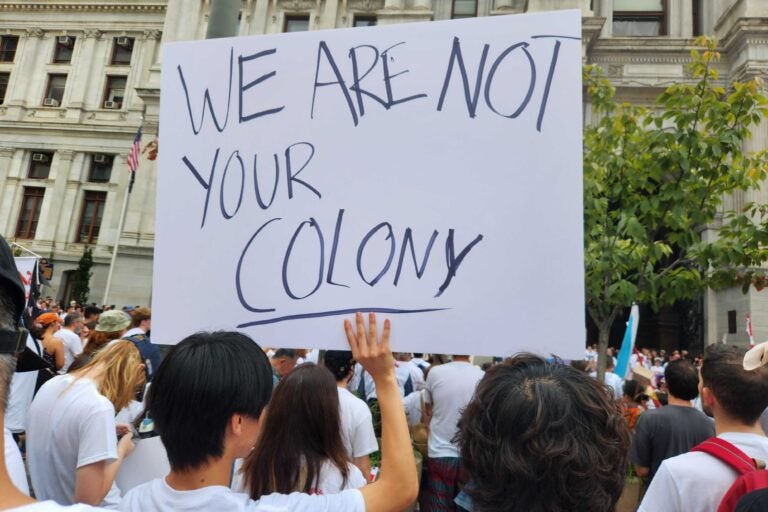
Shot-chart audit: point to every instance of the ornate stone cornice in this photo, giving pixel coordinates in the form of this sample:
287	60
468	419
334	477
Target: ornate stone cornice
93	32
365	5
152	35
298	5
34	32
83	7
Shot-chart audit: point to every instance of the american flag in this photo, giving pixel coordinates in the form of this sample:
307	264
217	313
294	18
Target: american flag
133	154
749	330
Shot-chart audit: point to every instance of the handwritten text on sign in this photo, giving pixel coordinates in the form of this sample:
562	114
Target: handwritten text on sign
429	171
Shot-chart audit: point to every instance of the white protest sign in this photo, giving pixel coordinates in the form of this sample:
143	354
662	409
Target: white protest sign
26	268
148	461
430	172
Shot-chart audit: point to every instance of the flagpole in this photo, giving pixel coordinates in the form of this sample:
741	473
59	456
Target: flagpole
133	162
105	301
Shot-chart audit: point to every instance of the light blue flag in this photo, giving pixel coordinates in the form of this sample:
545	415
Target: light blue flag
628	345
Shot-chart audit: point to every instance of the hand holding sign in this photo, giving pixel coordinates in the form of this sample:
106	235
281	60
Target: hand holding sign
372	352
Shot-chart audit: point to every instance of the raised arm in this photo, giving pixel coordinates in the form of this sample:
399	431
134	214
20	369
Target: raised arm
397	485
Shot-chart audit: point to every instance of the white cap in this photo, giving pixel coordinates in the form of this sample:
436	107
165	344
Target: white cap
756	357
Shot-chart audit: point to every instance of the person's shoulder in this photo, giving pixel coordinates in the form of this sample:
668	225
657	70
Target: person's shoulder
689	464
350	500
52	506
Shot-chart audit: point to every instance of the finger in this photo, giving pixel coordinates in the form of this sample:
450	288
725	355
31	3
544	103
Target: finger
351	339
372	328
385	336
361	344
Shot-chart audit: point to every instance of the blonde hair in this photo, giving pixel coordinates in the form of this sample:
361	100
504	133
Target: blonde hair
122	372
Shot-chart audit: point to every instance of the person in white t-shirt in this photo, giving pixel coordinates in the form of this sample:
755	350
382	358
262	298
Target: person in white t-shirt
300	446
735	397
356	420
206	401
12	338
612	380
448	390
70	338
415	374
73	450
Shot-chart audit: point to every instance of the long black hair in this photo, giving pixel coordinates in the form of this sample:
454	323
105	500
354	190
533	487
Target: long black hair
302	431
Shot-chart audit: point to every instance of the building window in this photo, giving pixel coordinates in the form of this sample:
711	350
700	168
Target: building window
365	21
101	168
30	212
296	23
122	49
55	91
40	165
4	78
696	18
114	91
8	48
639	17
463	9
90	220
62	54
732	321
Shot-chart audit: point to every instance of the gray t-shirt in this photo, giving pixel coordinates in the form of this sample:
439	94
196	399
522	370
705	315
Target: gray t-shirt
668	432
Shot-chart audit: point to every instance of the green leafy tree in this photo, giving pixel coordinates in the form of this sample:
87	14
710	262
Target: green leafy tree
654	181
81	285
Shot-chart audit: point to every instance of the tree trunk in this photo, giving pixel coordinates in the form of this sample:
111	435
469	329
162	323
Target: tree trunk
604	330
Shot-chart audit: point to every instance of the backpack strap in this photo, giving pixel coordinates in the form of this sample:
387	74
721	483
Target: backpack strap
727	453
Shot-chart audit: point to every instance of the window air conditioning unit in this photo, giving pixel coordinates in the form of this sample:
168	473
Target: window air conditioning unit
39	157
101	158
50	102
111	104
124	41
65	40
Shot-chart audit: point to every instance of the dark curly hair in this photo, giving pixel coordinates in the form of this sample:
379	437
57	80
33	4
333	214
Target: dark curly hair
542	437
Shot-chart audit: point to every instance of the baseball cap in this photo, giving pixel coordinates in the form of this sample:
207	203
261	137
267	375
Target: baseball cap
113	320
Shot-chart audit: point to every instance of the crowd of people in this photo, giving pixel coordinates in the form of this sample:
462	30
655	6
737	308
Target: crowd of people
259	429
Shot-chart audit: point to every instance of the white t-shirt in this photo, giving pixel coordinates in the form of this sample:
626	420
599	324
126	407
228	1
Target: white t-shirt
698	481
22	391
14	463
71	425
330	481
615	382
356	425
73	347
415	373
158	496
52	506
412	404
449	389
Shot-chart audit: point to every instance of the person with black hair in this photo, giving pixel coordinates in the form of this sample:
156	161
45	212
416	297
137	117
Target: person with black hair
673	429
207	399
542	437
735	397
300	447
356	420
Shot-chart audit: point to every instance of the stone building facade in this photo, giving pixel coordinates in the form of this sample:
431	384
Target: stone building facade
108	92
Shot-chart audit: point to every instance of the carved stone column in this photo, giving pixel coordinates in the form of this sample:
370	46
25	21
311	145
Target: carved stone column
81	78
55	209
27	56
7	190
